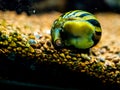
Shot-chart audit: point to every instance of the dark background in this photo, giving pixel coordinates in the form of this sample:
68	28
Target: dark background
40	6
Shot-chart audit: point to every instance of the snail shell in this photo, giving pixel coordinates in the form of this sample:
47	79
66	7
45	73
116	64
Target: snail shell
78	29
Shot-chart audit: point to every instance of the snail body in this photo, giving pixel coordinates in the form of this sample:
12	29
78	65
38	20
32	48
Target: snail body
78	29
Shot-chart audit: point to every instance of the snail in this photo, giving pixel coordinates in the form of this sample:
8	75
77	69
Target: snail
79	29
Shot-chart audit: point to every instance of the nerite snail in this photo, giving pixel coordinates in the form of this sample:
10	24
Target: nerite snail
79	29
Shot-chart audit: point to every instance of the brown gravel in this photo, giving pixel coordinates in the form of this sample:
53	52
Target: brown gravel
103	61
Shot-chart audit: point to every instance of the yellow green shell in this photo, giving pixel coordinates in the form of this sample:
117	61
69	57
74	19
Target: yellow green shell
78	29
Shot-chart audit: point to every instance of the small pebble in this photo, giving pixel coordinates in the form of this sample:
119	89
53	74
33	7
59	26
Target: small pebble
74	58
62	55
32	41
116	60
101	59
102	51
85	56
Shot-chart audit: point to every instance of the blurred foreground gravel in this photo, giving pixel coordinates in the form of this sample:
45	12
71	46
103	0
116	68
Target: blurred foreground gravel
26	39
